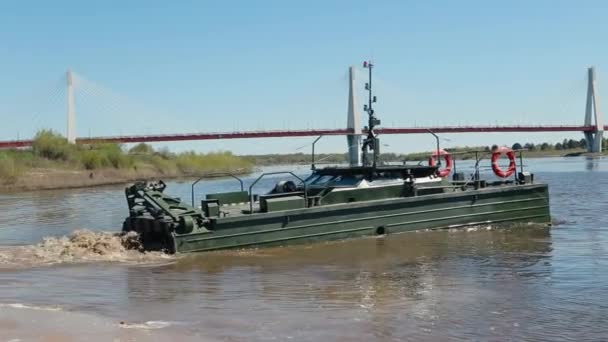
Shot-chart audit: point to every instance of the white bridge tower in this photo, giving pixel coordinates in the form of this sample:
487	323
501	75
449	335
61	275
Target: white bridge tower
70	132
592	113
353	122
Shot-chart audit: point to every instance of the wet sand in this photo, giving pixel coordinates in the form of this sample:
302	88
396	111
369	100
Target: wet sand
29	323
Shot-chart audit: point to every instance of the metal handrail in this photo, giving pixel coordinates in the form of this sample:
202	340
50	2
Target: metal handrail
312	164
213	175
270	174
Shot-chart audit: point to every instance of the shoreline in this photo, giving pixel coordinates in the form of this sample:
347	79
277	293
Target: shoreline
304	159
39	179
53	163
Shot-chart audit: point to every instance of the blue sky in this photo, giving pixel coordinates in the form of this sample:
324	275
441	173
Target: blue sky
184	66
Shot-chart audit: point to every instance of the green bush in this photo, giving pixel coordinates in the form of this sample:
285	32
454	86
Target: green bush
9	169
188	162
165	153
162	165
92	160
115	156
141	148
119	160
105	155
51	145
193	163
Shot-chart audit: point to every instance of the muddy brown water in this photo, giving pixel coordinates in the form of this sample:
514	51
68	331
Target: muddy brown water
526	283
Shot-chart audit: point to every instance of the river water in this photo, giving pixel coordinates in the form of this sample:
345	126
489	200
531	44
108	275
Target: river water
477	284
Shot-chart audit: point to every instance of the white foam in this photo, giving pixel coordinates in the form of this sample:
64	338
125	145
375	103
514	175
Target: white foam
146	325
30	307
457	228
81	246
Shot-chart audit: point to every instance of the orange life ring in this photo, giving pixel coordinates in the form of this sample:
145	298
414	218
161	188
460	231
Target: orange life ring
448	162
497	170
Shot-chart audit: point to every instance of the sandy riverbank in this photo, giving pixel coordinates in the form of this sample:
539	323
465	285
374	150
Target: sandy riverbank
49	179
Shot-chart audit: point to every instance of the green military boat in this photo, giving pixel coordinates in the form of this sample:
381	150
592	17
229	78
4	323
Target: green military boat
338	203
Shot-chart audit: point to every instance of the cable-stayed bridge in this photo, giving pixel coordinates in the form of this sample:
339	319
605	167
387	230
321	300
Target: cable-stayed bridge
592	128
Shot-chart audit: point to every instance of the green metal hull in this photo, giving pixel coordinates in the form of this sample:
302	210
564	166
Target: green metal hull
496	205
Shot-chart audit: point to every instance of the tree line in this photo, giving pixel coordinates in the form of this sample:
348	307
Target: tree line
566	144
331	158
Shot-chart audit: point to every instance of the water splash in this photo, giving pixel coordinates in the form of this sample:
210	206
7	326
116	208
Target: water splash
145	325
30	307
476	228
81	246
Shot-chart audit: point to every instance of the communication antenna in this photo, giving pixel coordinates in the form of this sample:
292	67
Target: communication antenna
371	142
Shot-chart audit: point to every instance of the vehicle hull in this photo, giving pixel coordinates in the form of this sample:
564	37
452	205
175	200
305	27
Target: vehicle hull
486	206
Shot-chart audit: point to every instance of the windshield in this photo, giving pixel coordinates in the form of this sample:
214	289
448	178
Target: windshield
346	180
331	180
311	178
322	180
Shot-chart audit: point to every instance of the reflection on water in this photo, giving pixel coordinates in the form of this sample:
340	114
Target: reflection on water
592	163
523	283
410	285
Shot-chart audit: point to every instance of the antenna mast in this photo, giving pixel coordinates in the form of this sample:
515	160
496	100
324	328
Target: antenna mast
371	141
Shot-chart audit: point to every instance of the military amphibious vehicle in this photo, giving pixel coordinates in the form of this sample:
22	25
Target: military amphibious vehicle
340	202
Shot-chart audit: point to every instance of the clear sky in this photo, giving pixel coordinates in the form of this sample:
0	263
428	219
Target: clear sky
184	66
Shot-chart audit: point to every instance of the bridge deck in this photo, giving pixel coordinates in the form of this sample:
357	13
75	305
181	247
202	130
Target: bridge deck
312	132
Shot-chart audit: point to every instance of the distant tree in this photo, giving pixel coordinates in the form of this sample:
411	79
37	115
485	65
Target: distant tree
545	146
559	146
582	142
530	147
516	146
142	148
166	154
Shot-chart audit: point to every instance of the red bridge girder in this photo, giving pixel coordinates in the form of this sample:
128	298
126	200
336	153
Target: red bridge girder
311	132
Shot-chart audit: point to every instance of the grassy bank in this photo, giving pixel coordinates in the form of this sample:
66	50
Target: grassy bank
53	163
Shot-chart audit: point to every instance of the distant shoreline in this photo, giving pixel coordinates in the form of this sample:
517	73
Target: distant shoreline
53	178
341	158
53	163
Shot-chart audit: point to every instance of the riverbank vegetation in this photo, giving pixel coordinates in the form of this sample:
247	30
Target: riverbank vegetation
567	147
566	144
54	160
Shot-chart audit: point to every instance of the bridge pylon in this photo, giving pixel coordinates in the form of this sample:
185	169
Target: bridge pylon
593	116
70	132
353	122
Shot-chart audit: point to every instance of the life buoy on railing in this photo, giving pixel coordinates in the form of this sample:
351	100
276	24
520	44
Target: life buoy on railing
496	153
448	162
